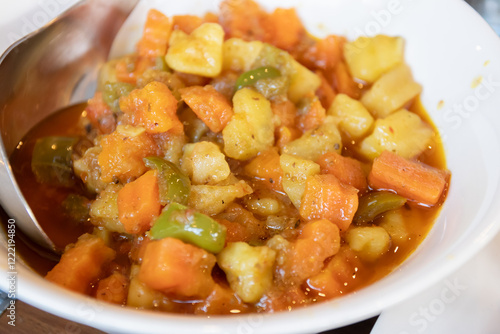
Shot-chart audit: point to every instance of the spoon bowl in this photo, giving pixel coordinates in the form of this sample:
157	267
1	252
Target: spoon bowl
46	71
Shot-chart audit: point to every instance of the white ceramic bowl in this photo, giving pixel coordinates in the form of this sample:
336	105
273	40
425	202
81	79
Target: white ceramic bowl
448	47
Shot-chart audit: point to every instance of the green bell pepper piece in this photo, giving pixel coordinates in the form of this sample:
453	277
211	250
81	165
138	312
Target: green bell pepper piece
51	160
177	221
174	186
376	203
112	91
251	77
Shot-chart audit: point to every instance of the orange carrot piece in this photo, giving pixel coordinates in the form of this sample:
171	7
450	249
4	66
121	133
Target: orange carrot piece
325	197
318	241
234	231
113	289
285	110
324	54
187	23
156	34
82	265
344	82
139	203
100	114
285	27
212	107
173	267
411	179
312	117
121	156
325	92
243	19
153	107
266	167
347	170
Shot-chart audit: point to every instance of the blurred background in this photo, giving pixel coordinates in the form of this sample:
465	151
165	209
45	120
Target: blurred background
490	10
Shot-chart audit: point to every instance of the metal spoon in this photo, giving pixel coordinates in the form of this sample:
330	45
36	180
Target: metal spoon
43	72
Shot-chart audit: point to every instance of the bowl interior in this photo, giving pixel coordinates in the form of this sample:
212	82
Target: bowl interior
447	59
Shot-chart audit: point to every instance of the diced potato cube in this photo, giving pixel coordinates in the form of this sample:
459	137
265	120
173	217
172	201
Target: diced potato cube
370	242
370	57
249	270
104	210
403	133
251	129
295	171
204	163
314	143
198	53
355	120
391	92
238	55
212	200
393	222
302	82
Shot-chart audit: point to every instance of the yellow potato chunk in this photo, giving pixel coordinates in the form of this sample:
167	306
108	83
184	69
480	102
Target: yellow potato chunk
302	82
295	173
249	270
353	117
238	55
314	143
370	242
393	222
204	163
391	92
198	53
212	200
251	129
403	133
370	57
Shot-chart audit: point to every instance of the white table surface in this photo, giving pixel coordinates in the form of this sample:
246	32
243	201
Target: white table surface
467	302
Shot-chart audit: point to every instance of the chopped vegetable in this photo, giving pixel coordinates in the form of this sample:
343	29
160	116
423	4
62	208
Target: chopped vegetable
157	31
113	289
82	264
239	55
205	163
209	105
374	204
325	197
177	221
251	77
76	207
112	91
197	53
411	179
266	167
402	132
176	268
100	114
296	171
369	242
348	170
104	210
51	160
173	185
248	269
139	203
355	120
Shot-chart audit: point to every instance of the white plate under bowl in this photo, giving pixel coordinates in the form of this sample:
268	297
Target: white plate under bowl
449	47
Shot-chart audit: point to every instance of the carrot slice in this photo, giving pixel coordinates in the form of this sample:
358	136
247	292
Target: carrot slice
153	107
113	289
82	265
287	38
285	110
313	117
325	92
324	54
325	197
209	105
344	82
139	203
128	69
173	267
347	170
187	23
156	34
266	167
411	179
